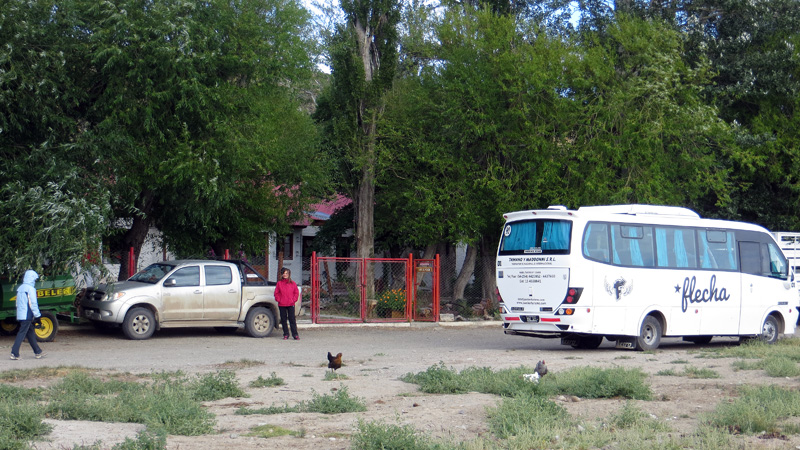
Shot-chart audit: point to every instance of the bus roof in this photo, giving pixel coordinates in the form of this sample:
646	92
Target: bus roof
633	210
675	215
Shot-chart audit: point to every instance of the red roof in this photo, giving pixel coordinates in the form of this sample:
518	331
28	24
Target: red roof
324	210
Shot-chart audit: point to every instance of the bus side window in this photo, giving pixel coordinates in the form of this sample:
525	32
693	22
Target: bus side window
750	257
778	267
675	248
595	242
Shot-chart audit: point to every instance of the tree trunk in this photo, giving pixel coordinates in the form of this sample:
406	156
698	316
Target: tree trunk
447	272
466	272
488	267
134	237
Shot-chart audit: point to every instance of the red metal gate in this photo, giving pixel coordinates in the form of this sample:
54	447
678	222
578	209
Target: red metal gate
401	289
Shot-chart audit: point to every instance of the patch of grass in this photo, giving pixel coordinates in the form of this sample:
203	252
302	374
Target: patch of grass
624	357
331	375
21	421
741	364
758	409
243	363
694	372
756	349
382	436
272	381
218	385
41	372
535	418
338	403
269	431
779	366
586	382
679	361
166	404
14	394
667	373
630	416
145	440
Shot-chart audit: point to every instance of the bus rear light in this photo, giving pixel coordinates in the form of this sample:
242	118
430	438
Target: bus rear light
573	295
512	318
548	319
569	311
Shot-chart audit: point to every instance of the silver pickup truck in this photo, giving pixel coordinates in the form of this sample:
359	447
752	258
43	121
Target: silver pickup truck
226	295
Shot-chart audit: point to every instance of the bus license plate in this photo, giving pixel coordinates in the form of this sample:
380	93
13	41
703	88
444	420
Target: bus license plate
534	319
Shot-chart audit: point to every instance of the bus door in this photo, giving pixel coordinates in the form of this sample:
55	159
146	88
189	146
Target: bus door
763	269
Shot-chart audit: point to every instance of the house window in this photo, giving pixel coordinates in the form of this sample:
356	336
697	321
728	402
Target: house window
285	245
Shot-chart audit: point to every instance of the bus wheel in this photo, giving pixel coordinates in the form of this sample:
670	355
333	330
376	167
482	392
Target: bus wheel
47	332
649	334
769	331
588	342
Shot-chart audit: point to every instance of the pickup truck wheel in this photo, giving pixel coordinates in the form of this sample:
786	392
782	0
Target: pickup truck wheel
259	322
49	328
139	324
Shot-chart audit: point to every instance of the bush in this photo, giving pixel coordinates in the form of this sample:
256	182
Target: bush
392	300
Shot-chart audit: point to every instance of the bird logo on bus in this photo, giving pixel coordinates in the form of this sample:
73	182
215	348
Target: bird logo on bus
619	288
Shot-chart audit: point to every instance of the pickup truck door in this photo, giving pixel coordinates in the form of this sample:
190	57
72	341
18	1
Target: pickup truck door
222	293
182	295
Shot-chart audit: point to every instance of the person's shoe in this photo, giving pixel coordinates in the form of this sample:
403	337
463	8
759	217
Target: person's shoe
297	338
40	355
14	357
285	338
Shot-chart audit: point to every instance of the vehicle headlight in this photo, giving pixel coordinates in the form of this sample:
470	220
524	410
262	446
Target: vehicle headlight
116	296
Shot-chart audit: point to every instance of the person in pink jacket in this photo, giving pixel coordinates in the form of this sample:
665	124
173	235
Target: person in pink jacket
286	294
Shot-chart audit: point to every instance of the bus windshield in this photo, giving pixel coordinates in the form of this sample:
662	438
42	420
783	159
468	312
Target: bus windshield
538	236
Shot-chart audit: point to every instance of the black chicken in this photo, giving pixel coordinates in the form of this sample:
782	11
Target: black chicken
334	362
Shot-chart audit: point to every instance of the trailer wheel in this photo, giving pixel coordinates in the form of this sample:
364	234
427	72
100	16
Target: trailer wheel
47	332
9	326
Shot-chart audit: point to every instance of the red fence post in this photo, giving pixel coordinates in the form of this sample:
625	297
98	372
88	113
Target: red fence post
436	288
131	264
314	288
410	287
227	254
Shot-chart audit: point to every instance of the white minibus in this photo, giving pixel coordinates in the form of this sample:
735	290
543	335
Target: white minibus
636	273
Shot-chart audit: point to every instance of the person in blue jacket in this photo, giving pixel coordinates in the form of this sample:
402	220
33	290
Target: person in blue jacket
27	312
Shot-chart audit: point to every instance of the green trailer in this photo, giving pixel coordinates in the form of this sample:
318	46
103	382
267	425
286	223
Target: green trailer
56	296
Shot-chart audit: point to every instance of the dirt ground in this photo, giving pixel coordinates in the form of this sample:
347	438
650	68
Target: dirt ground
374	358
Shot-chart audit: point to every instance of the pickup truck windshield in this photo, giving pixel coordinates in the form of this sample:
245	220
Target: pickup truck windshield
152	273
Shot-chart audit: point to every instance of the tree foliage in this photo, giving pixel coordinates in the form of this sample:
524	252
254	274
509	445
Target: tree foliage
181	115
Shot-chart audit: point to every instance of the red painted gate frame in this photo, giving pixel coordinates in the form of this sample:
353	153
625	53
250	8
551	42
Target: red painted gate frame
411	267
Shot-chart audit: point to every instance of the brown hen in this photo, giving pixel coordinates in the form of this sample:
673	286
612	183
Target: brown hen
334	362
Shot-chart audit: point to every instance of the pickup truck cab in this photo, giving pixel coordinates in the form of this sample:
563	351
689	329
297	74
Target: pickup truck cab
226	295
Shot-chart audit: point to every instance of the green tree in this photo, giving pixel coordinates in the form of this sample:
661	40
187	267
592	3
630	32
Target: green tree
474	135
753	47
363	55
54	204
643	133
198	114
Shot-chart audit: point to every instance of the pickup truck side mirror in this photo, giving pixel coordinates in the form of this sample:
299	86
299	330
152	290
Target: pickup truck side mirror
170	282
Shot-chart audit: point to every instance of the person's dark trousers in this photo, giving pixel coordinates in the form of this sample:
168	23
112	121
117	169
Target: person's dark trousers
287	313
26	330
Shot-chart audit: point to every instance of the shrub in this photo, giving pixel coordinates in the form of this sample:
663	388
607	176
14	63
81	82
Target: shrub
391	300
